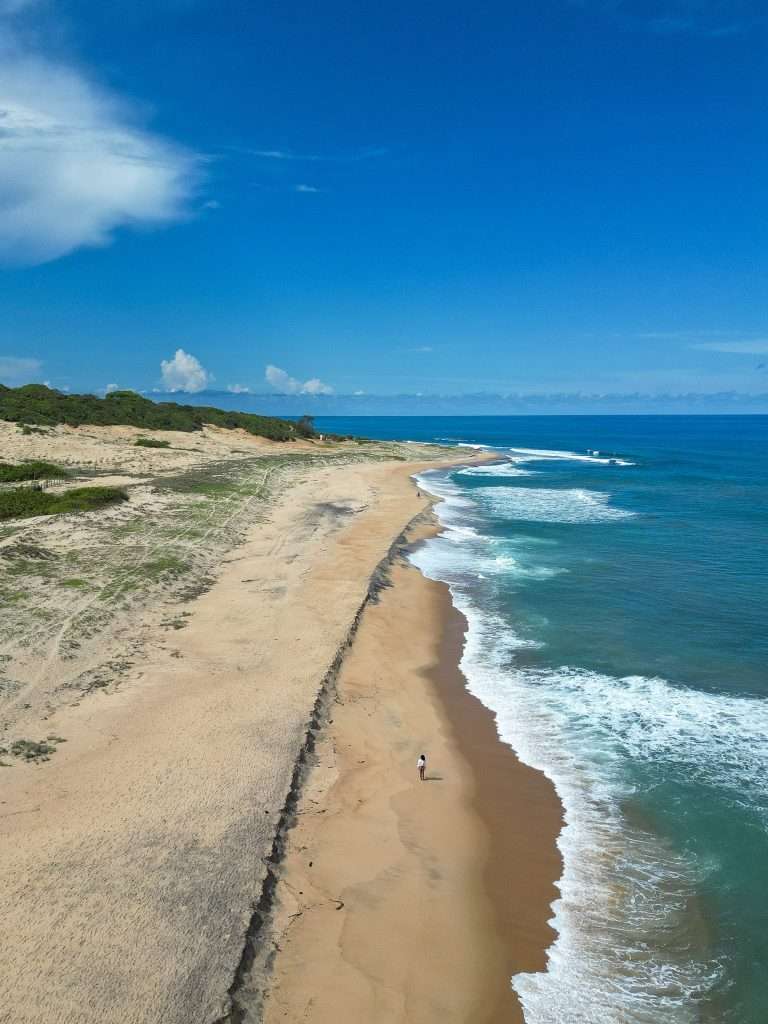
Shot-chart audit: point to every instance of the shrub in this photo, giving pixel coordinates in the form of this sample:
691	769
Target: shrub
35	403
151	442
22	502
32	750
30	471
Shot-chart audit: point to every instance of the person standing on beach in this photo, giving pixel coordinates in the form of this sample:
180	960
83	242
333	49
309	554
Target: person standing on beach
421	764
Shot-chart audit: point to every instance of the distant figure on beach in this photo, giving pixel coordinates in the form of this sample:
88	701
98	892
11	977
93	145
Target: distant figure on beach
421	764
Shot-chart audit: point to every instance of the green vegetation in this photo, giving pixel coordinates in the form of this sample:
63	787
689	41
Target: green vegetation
150	442
35	403
167	565
32	750
22	502
30	471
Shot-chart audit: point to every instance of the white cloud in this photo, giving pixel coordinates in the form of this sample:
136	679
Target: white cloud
239	389
109	388
74	164
306	188
278	154
758	347
18	370
315	387
184	373
354	156
287	385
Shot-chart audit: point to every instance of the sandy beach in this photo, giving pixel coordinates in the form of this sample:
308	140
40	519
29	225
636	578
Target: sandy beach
400	900
175	652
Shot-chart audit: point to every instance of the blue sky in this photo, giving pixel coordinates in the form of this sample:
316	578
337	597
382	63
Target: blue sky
560	196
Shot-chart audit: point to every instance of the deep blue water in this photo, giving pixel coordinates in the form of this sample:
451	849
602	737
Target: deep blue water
616	605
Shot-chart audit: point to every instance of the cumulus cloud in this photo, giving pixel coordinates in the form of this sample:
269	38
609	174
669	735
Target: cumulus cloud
18	370
238	389
74	163
184	373
316	387
287	385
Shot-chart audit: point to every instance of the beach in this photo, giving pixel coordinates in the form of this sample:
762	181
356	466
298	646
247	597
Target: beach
182	706
400	900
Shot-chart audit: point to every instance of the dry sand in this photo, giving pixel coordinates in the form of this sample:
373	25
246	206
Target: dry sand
402	901
132	861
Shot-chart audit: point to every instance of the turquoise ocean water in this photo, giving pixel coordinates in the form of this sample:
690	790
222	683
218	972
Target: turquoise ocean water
614	574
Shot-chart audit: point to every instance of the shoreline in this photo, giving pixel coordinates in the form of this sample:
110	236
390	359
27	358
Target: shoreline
510	792
392	904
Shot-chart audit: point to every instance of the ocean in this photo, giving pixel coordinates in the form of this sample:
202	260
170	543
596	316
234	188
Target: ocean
614	575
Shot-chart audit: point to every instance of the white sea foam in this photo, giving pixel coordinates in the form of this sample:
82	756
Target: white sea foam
549	504
519	455
622	954
543	454
496	469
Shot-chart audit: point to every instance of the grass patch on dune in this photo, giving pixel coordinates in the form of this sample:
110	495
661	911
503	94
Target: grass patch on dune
150	442
23	502
34	750
30	471
164	566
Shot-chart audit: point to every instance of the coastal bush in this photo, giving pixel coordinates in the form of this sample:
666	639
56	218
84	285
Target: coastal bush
32	750
30	471
22	502
151	442
305	426
37	404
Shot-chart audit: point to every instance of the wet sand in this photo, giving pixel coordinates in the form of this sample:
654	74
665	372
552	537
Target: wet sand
403	901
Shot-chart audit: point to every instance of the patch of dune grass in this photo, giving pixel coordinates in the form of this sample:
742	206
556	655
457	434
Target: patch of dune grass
165	565
23	502
32	750
151	442
30	471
